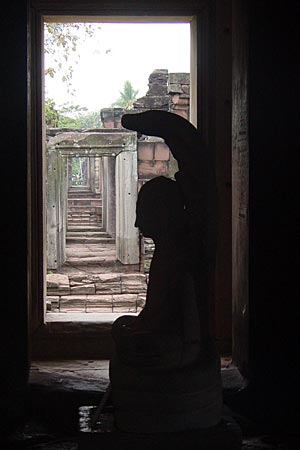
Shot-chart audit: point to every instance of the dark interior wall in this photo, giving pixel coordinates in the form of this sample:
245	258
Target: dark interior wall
240	187
14	349
273	112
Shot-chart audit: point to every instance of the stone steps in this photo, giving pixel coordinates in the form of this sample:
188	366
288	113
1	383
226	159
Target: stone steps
81	192
83	208
82	239
84	220
106	303
110	292
86	217
94	235
83	217
85	201
88	234
84	223
83	228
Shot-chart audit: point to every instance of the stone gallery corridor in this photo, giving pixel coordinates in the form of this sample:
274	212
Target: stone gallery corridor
91	279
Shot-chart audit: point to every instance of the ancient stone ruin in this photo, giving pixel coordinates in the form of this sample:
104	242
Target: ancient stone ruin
96	259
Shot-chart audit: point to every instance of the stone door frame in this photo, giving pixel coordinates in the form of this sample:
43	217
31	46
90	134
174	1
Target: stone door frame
122	147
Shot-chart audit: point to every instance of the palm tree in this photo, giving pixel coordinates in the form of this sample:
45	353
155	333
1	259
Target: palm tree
127	98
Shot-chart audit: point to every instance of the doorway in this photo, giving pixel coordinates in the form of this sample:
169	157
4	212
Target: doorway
95	257
202	100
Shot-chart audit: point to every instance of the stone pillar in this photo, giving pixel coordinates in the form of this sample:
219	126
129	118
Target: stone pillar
92	173
85	164
98	175
69	165
109	199
127	238
56	216
104	191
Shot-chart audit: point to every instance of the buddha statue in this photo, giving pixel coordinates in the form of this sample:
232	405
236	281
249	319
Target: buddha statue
165	370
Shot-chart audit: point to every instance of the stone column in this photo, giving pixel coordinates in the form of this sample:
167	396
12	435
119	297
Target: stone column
127	239
104	191
56	216
109	199
92	173
98	172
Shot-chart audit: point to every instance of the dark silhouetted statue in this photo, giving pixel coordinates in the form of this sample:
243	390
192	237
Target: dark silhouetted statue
165	371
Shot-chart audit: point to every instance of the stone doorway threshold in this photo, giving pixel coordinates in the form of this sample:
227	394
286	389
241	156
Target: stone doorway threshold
90	375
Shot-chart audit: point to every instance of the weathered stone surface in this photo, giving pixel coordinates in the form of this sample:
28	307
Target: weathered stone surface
186	88
72	303
82	278
141	301
133	283
57	283
162	152
159	76
152	102
175	88
99	303
125	303
88	260
145	151
179	78
109	283
157	89
52	303
83	289
148	169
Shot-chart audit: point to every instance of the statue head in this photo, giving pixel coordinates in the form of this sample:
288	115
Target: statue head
160	208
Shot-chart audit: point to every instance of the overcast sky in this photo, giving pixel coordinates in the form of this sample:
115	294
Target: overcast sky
120	52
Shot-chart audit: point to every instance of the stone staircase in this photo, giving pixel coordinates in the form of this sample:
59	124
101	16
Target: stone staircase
92	280
85	218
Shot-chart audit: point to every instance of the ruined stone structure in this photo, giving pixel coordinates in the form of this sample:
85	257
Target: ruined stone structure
99	208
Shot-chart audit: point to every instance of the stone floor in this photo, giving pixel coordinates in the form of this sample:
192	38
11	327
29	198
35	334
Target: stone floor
92	280
59	388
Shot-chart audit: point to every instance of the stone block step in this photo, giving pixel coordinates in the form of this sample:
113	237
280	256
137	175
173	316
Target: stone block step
84	201
89	240
84	224
78	192
87	233
77	220
81	228
83	216
84	213
83	207
96	303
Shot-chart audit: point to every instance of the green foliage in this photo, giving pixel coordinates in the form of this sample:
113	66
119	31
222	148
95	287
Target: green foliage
70	116
91	119
61	40
51	113
127	97
77	179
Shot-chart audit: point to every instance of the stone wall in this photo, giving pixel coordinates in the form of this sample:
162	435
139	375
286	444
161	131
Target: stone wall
89	292
179	94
